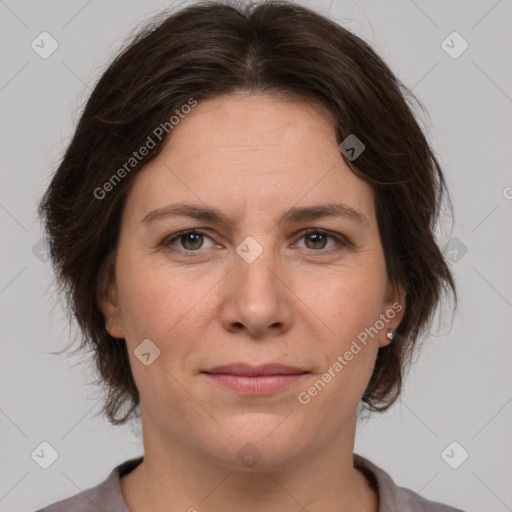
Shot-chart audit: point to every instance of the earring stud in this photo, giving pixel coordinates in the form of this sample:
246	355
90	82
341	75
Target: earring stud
390	334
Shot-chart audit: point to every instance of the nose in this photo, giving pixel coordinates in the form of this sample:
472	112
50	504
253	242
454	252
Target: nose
258	299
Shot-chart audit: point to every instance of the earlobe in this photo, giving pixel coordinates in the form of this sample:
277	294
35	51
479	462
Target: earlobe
110	308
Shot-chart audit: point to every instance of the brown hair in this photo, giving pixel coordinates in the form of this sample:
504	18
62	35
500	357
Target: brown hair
213	48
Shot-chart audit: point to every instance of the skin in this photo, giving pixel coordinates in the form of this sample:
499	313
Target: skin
301	302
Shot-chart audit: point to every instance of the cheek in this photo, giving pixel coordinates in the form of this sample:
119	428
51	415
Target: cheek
349	350
151	299
347	301
349	306
165	309
159	310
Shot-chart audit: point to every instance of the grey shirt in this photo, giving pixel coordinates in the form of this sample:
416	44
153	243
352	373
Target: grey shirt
107	496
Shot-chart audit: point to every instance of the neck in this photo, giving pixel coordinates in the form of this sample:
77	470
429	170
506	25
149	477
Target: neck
173	474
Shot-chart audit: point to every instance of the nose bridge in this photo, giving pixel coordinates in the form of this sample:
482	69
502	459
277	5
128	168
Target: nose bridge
257	298
256	271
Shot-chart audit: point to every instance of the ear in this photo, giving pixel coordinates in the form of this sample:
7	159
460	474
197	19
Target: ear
393	309
109	306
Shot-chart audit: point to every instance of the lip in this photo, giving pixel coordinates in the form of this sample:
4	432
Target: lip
248	370
255	380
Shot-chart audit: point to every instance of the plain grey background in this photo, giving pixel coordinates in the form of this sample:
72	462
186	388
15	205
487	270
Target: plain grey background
460	387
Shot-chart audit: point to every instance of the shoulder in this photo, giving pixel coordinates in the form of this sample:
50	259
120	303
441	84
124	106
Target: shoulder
393	497
105	496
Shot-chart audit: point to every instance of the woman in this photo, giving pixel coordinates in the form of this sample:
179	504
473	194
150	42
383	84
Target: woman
243	225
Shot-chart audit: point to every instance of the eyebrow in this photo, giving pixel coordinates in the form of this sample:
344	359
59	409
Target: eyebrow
295	214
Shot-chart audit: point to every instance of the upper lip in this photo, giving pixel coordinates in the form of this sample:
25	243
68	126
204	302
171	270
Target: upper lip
251	370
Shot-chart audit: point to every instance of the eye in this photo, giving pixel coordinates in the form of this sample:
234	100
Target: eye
317	240
190	241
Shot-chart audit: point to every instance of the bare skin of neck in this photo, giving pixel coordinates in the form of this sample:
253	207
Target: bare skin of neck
193	486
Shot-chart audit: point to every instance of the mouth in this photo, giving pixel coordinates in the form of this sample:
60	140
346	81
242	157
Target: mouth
255	380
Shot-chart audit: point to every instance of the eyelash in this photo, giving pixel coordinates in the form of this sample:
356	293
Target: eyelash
340	240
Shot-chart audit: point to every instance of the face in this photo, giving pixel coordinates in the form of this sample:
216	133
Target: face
262	278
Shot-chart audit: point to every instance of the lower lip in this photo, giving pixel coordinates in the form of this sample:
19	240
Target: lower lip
256	385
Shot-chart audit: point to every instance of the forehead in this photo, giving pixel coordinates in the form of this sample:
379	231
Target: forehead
260	151
244	124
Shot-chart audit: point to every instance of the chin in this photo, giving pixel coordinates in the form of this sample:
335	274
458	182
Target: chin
258	442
